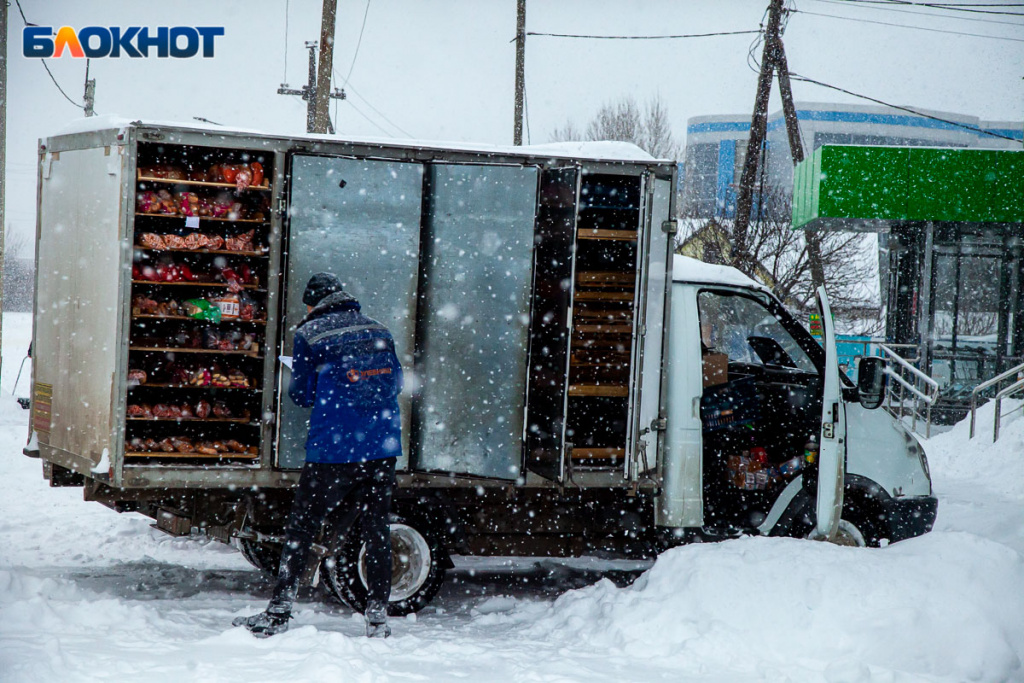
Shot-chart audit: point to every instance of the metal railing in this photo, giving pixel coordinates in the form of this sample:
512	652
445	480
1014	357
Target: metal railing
911	392
1016	372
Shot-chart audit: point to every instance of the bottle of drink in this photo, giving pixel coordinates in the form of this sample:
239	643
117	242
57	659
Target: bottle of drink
811	450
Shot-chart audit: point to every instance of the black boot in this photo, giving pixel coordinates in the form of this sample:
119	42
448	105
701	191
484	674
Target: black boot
265	624
377	620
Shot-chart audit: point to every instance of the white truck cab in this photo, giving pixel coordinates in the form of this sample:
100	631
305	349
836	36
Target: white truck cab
765	435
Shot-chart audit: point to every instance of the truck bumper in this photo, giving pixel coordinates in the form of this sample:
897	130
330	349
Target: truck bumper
910	517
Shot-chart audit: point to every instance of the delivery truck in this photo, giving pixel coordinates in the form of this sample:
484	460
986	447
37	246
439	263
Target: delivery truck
573	387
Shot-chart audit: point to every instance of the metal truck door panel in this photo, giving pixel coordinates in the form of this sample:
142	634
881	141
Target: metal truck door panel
832	454
550	318
477	262
359	219
656	248
79	332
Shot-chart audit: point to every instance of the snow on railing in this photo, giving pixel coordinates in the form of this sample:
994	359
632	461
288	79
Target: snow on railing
923	391
1016	372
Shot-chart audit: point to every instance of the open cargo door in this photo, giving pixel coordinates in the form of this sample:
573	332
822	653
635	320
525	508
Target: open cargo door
832	456
551	317
358	219
656	243
473	335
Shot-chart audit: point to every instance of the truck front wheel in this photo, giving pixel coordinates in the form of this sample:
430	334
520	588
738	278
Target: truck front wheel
264	556
417	568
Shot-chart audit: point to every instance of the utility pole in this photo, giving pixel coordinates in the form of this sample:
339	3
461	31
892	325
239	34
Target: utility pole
3	146
308	92
517	130
90	91
321	114
773	61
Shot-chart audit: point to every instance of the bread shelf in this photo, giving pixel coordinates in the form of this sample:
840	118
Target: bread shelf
224	252
162	385
204	218
176	454
147	316
265	187
237	420
162	349
193	283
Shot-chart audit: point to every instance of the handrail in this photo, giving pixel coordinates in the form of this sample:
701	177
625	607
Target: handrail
985	385
909	379
1012	389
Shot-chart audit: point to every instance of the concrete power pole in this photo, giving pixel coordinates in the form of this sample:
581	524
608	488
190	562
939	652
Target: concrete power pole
773	61
517	130
321	114
89	97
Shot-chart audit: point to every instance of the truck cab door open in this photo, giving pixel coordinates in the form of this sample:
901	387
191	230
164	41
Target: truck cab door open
832	456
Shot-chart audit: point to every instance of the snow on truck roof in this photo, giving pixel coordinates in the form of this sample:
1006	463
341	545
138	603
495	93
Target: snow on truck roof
605	150
686	269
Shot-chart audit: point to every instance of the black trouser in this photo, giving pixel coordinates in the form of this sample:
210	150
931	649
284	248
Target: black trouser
322	489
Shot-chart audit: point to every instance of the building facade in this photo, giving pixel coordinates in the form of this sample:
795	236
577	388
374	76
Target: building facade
716	146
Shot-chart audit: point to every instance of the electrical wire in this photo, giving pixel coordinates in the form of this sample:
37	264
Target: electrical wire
688	35
919	28
358	42
974	129
43	61
952	7
846	3
348	88
287	6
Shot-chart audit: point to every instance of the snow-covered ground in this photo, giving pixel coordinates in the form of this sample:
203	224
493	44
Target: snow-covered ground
90	595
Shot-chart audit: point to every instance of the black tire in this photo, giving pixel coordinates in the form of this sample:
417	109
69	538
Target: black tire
264	556
418	561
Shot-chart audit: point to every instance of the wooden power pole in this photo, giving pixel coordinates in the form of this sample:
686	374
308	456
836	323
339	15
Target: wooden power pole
773	61
517	130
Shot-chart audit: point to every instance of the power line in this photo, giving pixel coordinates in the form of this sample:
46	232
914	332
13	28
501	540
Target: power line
43	61
689	35
919	28
358	42
965	126
952	7
287	5
846	3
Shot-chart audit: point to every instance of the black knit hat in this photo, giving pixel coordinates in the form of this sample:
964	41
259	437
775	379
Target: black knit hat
319	286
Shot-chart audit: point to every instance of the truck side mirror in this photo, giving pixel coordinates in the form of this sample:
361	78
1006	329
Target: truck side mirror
871	381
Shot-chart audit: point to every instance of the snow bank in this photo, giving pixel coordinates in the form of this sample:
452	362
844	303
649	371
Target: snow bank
778	607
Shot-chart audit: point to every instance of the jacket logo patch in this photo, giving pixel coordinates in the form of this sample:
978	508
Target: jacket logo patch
354	375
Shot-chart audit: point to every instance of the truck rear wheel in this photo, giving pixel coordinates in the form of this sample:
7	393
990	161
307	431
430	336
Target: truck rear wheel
264	556
417	568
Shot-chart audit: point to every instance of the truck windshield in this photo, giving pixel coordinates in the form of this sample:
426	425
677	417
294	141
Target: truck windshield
748	332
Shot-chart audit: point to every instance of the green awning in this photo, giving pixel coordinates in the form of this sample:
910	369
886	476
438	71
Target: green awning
850	187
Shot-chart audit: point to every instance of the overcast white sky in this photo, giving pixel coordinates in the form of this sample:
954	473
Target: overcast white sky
444	69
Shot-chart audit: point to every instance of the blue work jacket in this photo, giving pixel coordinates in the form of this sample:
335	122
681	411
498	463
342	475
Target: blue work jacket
344	367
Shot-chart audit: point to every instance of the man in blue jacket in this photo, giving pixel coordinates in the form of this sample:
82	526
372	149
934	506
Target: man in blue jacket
345	368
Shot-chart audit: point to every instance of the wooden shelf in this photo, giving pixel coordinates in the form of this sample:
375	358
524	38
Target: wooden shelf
194	283
238	420
205	218
265	187
176	454
147	316
162	349
603	329
163	385
602	234
603	296
226	252
598	453
587	390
